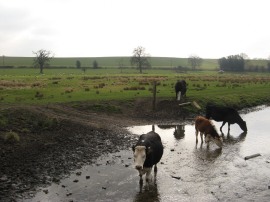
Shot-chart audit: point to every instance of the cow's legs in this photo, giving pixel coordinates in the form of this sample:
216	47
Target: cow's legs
155	173
207	140
141	180
148	172
222	126
178	95
228	127
196	133
201	137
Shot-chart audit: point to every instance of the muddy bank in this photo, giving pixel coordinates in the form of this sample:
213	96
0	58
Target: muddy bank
48	142
49	148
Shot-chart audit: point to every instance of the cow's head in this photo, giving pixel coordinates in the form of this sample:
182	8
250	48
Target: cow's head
243	126
140	153
217	140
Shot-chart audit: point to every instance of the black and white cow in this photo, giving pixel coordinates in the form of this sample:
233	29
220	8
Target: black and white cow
225	114
180	89
147	152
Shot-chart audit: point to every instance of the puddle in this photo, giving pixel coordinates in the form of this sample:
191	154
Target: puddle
186	172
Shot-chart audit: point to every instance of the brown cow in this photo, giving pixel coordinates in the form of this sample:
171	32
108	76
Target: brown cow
206	127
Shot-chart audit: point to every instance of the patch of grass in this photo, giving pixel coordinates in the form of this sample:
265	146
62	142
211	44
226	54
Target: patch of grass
45	124
11	137
3	121
25	130
106	108
69	90
39	95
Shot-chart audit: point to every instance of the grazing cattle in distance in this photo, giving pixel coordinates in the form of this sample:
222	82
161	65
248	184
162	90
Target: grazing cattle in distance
147	152
205	126
180	86
225	114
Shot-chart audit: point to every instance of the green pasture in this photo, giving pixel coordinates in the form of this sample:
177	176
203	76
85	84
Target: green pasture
27	86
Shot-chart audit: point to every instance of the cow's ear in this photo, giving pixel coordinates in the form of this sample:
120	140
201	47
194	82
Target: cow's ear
149	150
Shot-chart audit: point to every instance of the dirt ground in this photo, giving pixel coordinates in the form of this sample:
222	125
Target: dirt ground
59	138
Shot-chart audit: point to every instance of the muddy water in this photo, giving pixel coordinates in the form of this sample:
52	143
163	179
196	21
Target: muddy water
187	172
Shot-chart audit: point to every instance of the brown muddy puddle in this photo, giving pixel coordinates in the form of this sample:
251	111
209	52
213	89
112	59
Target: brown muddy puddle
186	172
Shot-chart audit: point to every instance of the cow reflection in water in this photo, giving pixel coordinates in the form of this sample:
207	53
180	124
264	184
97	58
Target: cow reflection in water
179	132
206	154
148	192
228	139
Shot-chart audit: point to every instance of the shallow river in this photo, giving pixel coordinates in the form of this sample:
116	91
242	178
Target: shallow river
186	172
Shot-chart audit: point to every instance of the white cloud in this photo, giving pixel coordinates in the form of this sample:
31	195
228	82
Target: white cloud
174	28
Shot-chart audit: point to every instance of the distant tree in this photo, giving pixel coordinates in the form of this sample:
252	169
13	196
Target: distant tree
244	56
232	63
268	66
95	64
195	61
121	64
42	59
3	60
140	58
78	64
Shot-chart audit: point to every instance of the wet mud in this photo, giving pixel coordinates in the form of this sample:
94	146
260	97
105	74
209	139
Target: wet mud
187	171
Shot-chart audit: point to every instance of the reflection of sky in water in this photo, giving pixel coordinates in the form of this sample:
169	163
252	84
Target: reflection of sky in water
168	135
257	139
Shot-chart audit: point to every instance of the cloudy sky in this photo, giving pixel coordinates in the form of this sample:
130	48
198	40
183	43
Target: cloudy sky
169	28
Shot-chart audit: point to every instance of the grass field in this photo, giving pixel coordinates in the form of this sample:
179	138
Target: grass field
27	86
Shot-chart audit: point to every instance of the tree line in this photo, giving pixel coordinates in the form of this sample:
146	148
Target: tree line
142	60
232	63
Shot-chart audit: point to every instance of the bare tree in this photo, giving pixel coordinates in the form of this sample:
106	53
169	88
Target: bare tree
95	65
42	59
78	64
268	64
140	58
195	61
244	56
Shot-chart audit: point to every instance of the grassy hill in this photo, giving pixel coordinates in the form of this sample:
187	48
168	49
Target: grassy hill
105	62
114	62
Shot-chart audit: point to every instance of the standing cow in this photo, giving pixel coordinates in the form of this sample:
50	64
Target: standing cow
147	152
180	89
205	127
225	114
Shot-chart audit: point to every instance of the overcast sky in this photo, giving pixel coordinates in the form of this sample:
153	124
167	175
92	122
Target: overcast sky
169	28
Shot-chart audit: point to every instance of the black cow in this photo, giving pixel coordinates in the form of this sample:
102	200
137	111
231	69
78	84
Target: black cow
225	114
180	86
147	152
